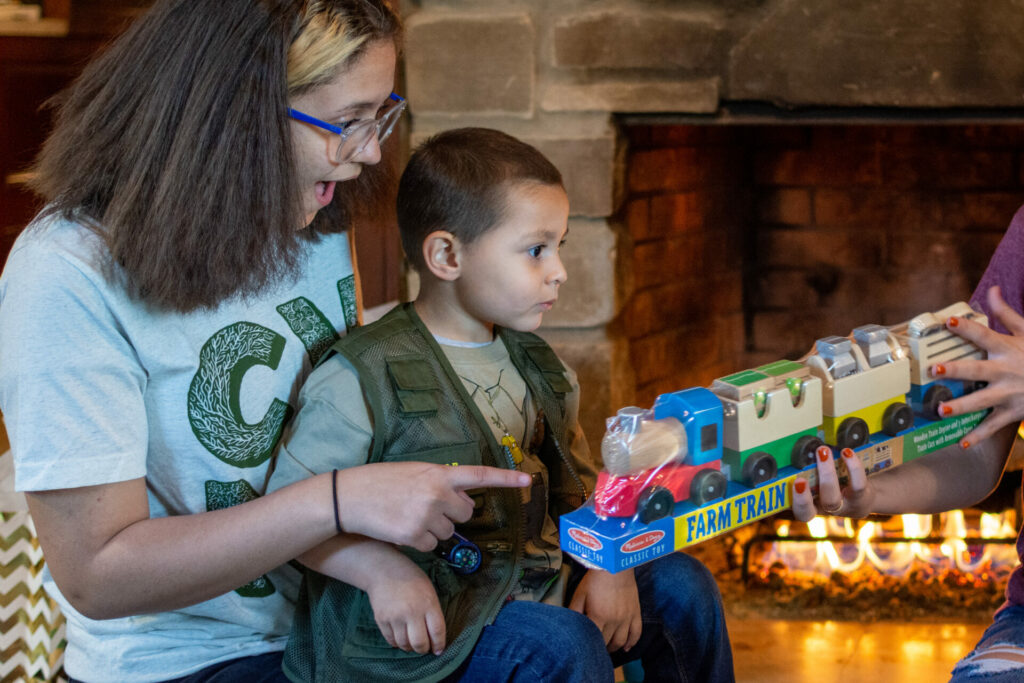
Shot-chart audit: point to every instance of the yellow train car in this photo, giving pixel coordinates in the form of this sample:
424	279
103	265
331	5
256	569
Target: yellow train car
865	379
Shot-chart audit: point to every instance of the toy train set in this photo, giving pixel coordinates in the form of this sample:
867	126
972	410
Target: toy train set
704	461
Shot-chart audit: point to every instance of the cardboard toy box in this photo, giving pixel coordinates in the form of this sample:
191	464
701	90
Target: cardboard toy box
614	544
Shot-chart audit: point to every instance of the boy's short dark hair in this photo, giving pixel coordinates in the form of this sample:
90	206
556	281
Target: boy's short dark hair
458	181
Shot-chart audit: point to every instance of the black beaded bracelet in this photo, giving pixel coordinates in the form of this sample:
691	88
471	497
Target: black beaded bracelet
334	491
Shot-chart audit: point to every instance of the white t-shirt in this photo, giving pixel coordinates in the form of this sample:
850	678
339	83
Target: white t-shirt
96	388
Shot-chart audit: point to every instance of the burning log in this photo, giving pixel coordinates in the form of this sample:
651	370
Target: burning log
899	576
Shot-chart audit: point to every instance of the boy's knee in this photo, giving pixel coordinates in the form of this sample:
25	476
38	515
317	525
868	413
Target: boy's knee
576	644
683	579
570	629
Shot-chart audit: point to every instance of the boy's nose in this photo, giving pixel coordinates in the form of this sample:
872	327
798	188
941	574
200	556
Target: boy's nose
558	274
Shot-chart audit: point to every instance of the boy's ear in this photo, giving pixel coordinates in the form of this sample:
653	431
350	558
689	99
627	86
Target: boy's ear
442	254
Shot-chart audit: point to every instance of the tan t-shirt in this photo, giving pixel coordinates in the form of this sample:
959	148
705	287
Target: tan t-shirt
500	393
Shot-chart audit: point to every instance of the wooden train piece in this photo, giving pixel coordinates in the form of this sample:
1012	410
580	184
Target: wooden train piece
704	461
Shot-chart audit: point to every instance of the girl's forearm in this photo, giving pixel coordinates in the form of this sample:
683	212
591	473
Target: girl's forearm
111	560
945	480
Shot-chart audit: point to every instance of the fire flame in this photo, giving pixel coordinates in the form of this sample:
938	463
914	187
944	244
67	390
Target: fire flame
868	544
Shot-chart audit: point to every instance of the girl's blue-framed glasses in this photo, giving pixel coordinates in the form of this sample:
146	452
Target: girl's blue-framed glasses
355	135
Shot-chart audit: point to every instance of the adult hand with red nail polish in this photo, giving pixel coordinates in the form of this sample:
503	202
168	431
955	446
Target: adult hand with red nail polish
1003	370
853	500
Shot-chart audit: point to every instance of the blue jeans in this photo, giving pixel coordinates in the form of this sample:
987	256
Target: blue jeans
684	635
258	669
999	655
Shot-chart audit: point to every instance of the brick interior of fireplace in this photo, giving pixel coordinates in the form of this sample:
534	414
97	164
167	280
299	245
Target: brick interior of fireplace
748	242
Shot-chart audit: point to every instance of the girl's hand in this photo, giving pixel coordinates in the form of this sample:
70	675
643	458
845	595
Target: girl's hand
413	503
613	603
855	500
1003	371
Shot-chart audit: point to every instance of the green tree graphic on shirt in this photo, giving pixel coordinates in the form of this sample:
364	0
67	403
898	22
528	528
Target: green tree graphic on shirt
220	495
213	397
310	325
347	292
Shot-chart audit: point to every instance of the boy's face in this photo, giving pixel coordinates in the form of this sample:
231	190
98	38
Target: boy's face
510	275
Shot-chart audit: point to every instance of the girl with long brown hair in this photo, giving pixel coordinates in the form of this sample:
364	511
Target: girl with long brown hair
191	264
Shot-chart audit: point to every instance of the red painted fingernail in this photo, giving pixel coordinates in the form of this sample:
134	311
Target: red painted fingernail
945	410
939	369
800	485
954	321
965	444
847	452
822	454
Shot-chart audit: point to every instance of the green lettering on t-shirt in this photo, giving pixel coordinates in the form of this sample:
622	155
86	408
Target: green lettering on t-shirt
224	494
213	397
347	292
310	325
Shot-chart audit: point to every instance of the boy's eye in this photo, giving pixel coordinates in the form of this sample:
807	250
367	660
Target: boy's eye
536	251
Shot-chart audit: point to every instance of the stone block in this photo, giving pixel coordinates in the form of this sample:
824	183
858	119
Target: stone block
588	297
639	38
699	96
470	63
605	381
905	54
588	169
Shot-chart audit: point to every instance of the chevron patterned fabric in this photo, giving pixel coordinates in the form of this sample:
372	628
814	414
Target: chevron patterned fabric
31	625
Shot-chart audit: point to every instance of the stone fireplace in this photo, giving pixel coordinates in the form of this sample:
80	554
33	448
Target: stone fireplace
744	175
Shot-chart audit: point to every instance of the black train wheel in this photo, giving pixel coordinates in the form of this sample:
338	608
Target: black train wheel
852	433
804	451
654	503
706	486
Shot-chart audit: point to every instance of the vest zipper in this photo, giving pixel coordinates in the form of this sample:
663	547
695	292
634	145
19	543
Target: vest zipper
568	465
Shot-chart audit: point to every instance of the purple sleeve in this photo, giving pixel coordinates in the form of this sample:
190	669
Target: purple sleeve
1006	269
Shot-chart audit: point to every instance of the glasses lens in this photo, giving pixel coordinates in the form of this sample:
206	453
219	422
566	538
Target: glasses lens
358	134
388	120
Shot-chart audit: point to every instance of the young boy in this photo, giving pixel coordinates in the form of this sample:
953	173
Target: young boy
458	378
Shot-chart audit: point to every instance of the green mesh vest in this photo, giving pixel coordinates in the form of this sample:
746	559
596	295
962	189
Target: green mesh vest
421	411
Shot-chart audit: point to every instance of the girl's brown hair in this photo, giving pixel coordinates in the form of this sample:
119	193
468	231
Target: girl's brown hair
174	144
